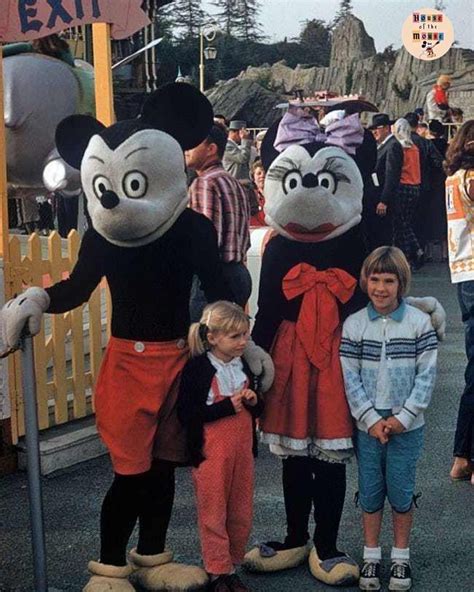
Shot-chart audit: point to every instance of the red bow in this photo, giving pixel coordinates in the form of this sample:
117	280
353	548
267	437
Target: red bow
319	314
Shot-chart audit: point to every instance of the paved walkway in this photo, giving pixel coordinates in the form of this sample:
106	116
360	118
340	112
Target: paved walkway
442	544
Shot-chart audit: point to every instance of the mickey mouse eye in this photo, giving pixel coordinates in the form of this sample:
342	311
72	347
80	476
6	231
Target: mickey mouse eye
327	180
101	184
135	184
291	180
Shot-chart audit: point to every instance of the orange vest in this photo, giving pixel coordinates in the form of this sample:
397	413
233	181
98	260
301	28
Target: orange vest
460	211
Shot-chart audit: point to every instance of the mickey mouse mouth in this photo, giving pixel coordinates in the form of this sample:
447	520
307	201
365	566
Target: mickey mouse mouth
143	236
303	234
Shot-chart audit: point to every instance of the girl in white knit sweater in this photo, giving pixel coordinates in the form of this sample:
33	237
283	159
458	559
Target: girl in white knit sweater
388	355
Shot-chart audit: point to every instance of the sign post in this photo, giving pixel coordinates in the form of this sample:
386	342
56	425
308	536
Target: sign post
104	92
34	469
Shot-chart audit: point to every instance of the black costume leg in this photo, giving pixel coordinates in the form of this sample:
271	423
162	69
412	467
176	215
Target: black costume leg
118	517
155	508
297	494
328	491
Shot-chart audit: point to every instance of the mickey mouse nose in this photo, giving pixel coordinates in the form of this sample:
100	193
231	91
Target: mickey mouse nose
109	200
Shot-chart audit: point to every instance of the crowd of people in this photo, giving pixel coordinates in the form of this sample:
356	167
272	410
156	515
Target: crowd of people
404	200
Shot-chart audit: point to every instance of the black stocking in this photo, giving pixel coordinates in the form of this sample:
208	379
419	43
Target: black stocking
118	517
155	508
329	490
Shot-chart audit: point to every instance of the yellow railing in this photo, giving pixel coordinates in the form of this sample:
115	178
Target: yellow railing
68	350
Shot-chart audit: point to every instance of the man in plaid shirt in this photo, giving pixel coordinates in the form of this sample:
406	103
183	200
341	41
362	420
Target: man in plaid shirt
222	199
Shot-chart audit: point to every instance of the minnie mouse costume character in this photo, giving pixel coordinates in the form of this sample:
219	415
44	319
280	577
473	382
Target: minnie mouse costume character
308	286
148	245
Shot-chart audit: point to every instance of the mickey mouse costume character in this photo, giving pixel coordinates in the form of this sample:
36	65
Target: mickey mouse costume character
148	245
308	286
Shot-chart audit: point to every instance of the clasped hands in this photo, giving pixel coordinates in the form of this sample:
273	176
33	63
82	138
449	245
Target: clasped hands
384	428
243	398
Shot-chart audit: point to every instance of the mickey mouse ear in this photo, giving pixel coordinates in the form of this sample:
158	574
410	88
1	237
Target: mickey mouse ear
73	135
268	152
180	110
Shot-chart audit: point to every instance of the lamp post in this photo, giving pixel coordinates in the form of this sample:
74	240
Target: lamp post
207	32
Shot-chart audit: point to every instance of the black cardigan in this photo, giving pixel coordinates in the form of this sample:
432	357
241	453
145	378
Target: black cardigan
193	412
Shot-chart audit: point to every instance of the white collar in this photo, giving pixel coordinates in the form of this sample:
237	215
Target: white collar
217	362
385	141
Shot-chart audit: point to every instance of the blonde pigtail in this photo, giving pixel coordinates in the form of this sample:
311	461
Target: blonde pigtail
196	342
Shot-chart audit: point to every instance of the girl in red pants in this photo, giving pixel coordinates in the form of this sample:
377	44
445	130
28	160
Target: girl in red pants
218	409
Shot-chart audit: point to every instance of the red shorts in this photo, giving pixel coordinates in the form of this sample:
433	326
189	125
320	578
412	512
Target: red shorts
136	387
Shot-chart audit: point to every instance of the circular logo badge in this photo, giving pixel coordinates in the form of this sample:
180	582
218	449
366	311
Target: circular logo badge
427	34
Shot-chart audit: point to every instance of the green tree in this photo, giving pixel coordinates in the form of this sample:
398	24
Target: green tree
345	8
247	25
227	15
315	40
163	22
185	17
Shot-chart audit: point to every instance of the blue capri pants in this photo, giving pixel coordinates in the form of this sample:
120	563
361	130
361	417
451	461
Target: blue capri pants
388	470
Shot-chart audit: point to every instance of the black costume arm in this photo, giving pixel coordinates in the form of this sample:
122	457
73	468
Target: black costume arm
393	172
351	255
206	262
84	278
270	297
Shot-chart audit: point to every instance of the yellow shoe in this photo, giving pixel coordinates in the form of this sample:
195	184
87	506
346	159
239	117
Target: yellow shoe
334	572
108	578
158	572
265	559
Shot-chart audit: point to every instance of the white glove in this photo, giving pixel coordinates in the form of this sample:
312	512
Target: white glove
431	306
260	364
25	310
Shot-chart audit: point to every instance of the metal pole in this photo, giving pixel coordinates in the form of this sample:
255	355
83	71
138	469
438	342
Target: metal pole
34	467
201	60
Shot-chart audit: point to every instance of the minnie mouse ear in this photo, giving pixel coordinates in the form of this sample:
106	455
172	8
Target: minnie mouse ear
73	135
180	110
268	152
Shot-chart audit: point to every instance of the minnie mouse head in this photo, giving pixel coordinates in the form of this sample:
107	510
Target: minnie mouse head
133	172
313	190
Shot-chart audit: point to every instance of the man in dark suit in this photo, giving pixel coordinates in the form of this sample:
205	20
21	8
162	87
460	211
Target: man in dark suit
431	163
387	179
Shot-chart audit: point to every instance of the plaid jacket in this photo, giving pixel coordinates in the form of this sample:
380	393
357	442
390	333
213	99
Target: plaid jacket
222	199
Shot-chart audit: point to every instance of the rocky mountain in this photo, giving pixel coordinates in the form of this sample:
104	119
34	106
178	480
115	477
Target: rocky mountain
246	100
394	80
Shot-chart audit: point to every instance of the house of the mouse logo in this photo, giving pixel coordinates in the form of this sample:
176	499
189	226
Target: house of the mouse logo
427	34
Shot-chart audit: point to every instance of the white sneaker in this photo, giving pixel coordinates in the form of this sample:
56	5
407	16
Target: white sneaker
370	575
400	576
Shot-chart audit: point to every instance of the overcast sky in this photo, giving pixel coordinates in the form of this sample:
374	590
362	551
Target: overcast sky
383	19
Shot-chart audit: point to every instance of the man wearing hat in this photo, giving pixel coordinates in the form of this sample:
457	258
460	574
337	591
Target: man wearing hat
237	153
431	165
222	199
387	178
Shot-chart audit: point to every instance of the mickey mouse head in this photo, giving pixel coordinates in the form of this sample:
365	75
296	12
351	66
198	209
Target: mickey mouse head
133	172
